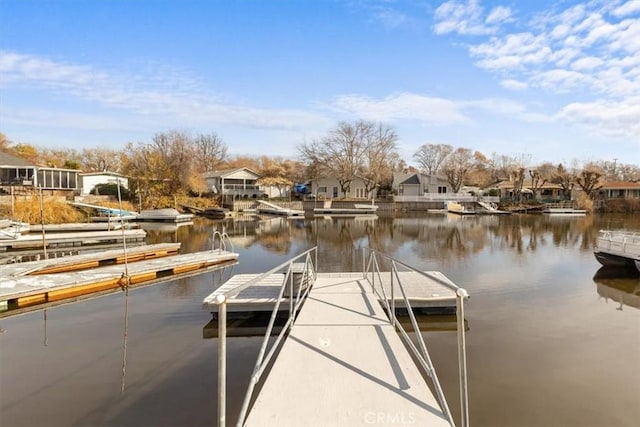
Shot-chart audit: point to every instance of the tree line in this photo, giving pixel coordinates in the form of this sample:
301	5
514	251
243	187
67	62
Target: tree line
174	162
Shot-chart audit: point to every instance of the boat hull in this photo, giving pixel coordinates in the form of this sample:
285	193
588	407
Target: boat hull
617	261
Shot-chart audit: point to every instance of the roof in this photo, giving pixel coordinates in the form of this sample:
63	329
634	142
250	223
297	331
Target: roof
10	160
104	173
411	180
621	185
227	172
527	183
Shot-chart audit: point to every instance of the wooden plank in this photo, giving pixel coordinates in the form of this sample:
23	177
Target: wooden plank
12	288
343	364
71	239
90	260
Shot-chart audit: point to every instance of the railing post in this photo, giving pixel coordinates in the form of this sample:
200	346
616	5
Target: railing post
291	295
392	315
461	294
222	360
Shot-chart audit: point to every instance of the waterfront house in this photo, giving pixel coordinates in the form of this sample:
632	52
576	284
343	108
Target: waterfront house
329	188
620	190
419	184
16	171
505	189
238	183
90	180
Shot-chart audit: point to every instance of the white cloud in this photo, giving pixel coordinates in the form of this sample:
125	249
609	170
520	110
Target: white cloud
167	94
514	84
610	118
631	6
591	50
498	14
467	18
400	106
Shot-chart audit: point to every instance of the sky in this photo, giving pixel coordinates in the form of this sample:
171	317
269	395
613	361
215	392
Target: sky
555	80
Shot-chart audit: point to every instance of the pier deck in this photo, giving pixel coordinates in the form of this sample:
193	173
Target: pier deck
343	364
422	291
28	290
54	240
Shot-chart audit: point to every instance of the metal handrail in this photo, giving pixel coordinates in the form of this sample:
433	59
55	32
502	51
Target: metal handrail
422	355
309	272
223	238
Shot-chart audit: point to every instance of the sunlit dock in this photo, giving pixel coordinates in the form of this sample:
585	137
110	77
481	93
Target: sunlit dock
41	282
424	292
342	357
55	240
267	208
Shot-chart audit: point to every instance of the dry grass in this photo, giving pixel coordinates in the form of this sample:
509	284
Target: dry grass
55	212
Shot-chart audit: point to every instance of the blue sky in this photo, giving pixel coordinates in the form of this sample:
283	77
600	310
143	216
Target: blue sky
558	80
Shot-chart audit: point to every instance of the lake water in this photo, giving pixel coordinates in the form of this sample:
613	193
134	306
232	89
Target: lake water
552	340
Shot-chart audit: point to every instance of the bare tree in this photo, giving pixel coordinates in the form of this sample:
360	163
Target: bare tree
344	152
457	167
100	159
517	178
380	156
590	179
209	151
564	178
539	177
431	157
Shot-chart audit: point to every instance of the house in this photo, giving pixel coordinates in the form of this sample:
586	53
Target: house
329	188
620	190
91	179
17	171
505	190
419	184
238	183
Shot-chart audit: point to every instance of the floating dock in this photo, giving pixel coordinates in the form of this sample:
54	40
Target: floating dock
35	241
272	209
422	292
22	291
343	364
80	226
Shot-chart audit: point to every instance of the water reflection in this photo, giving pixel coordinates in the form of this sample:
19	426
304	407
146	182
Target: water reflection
621	286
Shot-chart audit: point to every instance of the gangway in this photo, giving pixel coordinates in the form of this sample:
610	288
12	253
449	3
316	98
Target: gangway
342	358
273	209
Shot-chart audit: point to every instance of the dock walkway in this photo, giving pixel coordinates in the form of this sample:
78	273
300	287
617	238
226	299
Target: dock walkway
343	364
422	292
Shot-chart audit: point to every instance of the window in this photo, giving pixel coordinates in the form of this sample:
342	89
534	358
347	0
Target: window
442	189
322	189
335	192
361	193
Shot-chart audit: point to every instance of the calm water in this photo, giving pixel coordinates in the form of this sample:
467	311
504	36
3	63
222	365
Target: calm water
552	340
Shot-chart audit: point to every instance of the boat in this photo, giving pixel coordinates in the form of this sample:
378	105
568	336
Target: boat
163	215
458	208
217	213
637	265
618	248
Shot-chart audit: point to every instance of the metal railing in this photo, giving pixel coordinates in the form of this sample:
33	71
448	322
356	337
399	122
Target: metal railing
222	239
307	276
371	271
442	197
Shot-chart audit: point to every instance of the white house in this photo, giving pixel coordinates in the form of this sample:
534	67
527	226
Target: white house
91	179
238	183
329	188
419	184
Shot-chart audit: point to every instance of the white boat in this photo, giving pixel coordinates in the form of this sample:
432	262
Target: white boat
458	208
618	248
163	215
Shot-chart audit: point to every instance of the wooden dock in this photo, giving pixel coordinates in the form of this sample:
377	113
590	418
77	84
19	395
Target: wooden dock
343	364
24	290
55	240
422	292
272	209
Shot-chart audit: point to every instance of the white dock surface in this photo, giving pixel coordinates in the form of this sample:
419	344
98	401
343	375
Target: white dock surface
343	364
